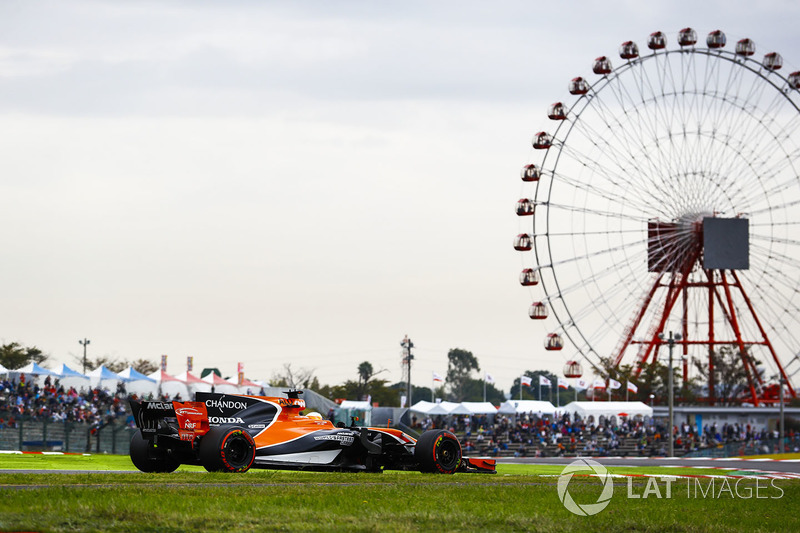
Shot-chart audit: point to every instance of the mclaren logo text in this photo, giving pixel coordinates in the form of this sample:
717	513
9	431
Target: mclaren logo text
158	405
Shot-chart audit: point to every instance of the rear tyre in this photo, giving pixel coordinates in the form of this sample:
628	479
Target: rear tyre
149	458
438	451
227	449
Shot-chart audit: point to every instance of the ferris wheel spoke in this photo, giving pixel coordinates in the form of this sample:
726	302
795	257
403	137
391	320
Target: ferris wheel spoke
780	240
596	277
643	131
605	233
774	224
613	129
597	212
767	209
617	162
614	175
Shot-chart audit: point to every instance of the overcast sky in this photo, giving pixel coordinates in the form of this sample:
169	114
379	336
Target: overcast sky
292	182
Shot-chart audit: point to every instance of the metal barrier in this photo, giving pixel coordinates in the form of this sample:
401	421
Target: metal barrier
751	447
44	435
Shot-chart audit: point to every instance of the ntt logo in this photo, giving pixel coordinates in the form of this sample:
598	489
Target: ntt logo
588	467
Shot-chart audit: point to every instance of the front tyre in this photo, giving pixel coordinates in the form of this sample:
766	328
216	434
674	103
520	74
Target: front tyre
149	458
227	449
438	451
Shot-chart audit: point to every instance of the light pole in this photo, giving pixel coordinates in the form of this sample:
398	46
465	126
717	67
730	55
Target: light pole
408	357
671	343
84	342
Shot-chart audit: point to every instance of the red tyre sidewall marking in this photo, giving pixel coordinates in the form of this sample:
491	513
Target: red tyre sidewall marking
222	450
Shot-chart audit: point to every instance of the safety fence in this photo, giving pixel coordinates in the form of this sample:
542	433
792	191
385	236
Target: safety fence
73	437
750	447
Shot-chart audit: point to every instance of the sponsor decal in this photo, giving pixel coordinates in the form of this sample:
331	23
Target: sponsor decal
158	405
257	426
188	411
226	404
344	438
291	402
225	420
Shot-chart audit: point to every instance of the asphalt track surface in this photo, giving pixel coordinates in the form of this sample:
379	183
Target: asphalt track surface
791	466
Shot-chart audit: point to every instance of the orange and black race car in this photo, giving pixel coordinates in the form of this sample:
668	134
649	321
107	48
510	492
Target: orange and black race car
232	433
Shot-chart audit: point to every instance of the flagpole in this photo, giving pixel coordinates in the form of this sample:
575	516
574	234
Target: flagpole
433	384
484	388
520	389
627	390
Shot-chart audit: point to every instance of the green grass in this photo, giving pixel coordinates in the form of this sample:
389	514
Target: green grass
123	463
519	498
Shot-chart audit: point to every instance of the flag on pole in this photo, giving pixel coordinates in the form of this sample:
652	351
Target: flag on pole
581	384
632	387
563	383
599	384
437	377
613	384
489	378
525	380
544	381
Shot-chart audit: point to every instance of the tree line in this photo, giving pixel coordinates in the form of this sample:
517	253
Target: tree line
464	383
14	355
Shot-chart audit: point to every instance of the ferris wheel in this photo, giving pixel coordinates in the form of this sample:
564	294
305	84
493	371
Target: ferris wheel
665	196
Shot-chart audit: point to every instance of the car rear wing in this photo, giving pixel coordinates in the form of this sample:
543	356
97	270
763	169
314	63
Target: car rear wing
148	415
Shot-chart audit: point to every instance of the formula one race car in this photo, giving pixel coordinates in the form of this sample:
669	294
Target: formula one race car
231	433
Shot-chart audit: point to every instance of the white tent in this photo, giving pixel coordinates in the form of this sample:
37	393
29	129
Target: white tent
452	408
138	383
353	404
34	369
458	409
170	385
68	377
433	409
103	378
193	383
250	387
3	370
536	407
221	385
479	408
608	409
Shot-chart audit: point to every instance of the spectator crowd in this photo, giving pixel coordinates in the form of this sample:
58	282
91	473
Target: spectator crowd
530	434
25	400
